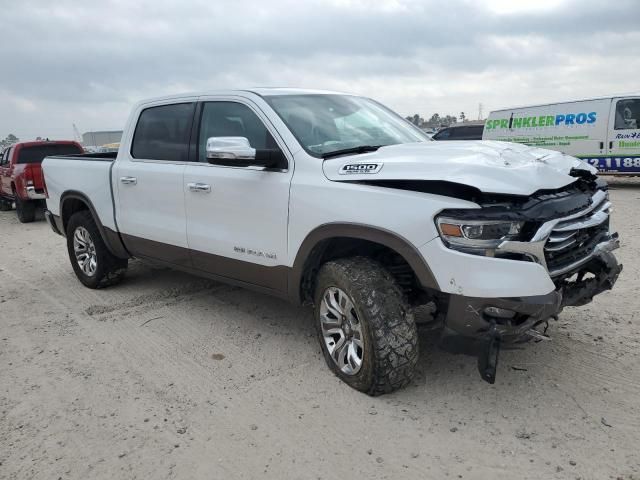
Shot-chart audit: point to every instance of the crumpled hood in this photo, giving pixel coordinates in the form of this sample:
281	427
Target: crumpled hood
490	166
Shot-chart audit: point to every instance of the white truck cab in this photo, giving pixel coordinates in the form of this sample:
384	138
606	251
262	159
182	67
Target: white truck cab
333	200
605	132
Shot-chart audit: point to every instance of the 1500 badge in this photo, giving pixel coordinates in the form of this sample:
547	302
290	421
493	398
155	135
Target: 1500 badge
353	168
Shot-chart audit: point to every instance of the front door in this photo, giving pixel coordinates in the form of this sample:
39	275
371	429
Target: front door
237	216
624	136
149	179
5	172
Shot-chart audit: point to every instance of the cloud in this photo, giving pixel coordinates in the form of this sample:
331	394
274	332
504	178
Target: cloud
87	62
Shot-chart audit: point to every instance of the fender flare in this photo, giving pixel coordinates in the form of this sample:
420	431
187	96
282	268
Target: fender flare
111	238
362	232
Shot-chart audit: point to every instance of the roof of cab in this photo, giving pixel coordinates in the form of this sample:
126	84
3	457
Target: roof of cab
36	143
261	91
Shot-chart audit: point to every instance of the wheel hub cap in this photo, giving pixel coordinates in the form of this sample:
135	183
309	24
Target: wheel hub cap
341	330
85	251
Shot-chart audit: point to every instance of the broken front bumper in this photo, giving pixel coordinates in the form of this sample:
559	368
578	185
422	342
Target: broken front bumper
512	317
479	325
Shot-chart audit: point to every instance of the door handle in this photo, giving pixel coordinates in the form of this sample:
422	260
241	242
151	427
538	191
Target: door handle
129	180
199	187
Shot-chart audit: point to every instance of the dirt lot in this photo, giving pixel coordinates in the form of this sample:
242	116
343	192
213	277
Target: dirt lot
171	376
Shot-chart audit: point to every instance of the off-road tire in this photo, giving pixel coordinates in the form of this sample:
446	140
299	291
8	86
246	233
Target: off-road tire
389	330
5	205
110	269
26	210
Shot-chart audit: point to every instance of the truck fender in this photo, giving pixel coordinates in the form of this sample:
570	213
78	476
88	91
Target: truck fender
110	237
384	237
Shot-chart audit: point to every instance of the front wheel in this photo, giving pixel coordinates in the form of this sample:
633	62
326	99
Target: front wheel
5	205
366	329
94	265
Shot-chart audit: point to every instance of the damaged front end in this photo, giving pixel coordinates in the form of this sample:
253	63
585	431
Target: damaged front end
569	236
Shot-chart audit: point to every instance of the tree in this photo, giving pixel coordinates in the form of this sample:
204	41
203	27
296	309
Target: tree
462	117
435	121
9	140
449	120
416	119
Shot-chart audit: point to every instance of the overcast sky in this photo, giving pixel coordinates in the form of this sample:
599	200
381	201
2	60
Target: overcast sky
86	62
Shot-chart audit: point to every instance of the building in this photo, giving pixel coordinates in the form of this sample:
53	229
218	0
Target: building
97	139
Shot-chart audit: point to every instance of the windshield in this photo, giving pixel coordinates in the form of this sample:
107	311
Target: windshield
329	123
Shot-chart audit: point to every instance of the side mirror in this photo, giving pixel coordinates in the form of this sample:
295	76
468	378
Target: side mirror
237	152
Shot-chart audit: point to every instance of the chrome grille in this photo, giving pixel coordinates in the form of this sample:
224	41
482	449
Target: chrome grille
572	239
564	244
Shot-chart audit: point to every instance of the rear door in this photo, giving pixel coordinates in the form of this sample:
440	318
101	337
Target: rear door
237	216
623	155
148	178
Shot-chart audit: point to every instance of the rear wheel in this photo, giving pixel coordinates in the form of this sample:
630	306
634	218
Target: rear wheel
92	261
366	329
26	210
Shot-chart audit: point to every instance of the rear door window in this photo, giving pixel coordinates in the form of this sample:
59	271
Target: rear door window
163	132
476	131
469	133
37	153
458	133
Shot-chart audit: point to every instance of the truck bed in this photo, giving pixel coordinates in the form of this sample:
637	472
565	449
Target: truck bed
86	176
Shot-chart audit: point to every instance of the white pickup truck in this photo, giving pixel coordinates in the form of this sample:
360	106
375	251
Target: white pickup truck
335	201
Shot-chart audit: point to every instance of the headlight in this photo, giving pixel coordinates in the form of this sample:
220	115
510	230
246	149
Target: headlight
481	237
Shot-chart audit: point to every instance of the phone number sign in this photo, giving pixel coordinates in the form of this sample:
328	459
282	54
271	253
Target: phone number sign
617	164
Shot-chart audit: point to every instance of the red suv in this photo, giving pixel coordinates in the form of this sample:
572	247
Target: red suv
21	174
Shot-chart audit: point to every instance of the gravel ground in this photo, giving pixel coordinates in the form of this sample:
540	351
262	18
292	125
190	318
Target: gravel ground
172	376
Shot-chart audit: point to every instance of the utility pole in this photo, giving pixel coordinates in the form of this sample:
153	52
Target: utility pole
480	111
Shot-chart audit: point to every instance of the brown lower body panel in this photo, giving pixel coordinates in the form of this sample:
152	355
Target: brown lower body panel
272	280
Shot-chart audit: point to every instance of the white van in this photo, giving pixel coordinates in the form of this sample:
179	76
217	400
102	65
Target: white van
603	131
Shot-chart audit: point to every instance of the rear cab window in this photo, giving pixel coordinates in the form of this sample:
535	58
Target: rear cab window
162	133
36	153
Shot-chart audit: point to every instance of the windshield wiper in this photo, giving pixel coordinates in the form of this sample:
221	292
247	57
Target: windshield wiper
346	151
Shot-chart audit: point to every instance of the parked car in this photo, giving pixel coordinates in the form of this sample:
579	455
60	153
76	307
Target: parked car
460	132
334	201
21	175
604	132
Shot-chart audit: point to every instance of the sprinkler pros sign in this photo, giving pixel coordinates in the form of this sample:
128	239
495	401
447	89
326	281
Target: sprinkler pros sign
562	130
582	118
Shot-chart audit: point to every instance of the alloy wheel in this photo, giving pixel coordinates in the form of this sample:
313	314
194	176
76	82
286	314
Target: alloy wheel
341	330
85	251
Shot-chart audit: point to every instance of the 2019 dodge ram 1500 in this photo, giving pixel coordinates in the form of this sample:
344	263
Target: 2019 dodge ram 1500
333	200
21	176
